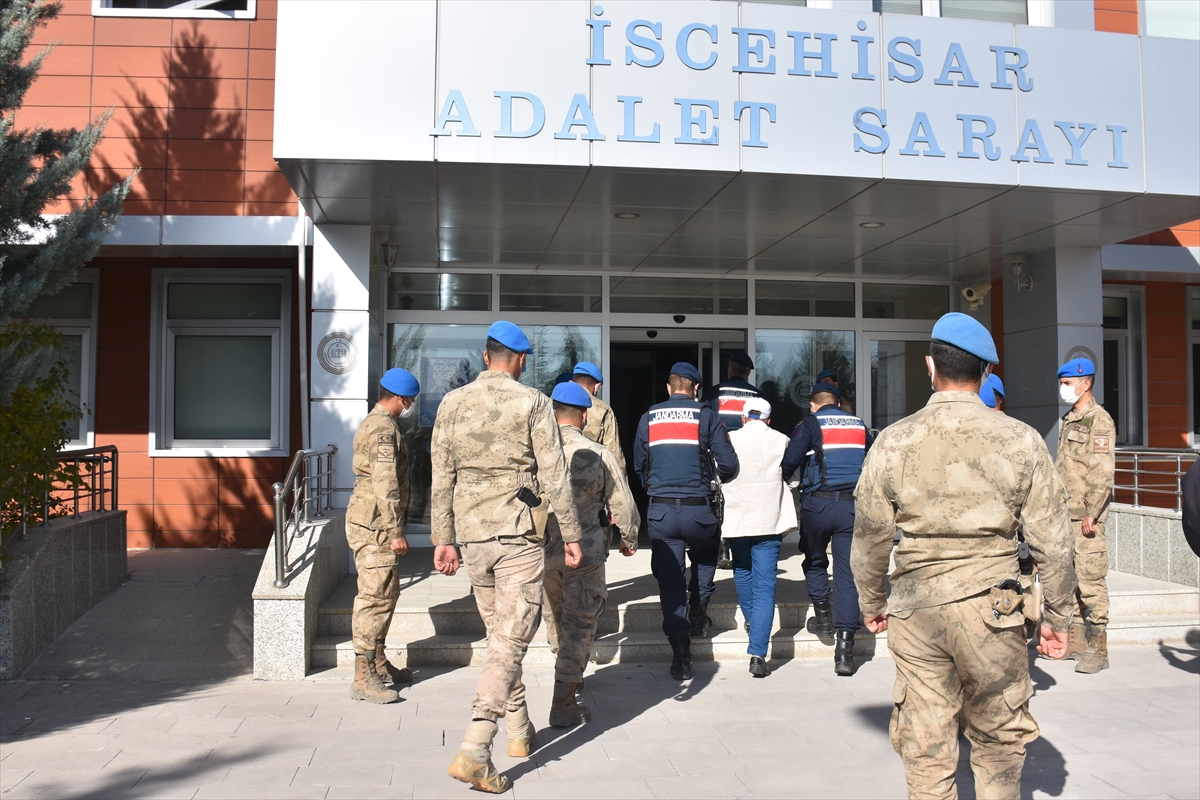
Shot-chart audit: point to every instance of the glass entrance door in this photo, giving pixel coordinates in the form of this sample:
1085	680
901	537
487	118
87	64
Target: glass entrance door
899	380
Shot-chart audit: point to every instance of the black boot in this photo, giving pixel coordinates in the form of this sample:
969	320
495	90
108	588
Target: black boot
821	625
843	653
681	663
724	560
758	667
701	622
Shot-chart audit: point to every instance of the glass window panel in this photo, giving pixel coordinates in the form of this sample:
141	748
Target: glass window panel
803	299
73	302
1195	313
1116	313
223	387
444	357
897	6
223	300
899	380
900	301
72	354
445	291
786	362
1012	11
636	295
550	293
1175	19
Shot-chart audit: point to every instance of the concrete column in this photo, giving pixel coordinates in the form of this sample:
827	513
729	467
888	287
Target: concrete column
1059	318
341	326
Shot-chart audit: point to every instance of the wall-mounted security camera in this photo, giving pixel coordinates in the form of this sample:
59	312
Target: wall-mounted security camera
651	334
975	293
679	318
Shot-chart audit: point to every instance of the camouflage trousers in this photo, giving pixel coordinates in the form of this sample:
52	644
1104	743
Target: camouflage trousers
506	575
956	663
378	586
575	600
1091	571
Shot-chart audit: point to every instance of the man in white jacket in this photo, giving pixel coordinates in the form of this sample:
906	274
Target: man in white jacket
758	512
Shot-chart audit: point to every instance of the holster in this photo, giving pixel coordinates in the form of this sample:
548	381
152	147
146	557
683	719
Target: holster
1034	601
539	510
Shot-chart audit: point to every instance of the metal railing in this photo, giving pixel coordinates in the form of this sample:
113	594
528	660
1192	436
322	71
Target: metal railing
1152	475
309	488
95	490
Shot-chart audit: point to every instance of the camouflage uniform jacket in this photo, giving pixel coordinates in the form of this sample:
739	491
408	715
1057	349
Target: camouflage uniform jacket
602	428
1085	460
958	480
599	487
493	437
380	464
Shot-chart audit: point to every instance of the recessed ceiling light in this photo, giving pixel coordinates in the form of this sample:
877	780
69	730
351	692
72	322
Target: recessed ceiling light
626	215
870	224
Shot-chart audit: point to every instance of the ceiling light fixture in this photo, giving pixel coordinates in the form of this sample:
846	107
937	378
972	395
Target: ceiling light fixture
870	224
626	215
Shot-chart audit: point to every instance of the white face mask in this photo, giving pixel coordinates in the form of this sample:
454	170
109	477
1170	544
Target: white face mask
1067	394
408	412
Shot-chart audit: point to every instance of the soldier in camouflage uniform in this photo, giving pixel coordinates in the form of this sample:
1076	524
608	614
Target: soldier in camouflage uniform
495	450
601	422
958	480
575	598
1085	461
375	520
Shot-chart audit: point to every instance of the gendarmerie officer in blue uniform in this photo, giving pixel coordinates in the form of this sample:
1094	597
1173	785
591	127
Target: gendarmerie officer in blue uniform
729	397
673	452
829	446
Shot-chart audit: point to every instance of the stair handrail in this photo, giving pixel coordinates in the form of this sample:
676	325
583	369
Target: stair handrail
1181	458
311	493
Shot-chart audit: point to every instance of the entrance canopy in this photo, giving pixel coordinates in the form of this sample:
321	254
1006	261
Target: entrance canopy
726	137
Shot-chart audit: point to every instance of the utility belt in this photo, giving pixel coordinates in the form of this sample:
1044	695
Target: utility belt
846	495
683	501
1008	597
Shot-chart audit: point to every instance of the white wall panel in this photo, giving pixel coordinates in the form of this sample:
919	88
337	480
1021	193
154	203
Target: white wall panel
341	267
339	356
1171	78
334	422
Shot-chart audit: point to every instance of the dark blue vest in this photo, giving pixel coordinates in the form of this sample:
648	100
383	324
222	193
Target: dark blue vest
674	447
842	444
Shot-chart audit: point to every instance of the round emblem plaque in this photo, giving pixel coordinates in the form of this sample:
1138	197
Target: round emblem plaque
337	353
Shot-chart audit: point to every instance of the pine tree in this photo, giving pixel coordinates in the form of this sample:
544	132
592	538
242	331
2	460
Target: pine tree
39	255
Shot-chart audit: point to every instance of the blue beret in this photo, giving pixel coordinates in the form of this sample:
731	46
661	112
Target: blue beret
996	384
987	394
686	370
826	373
510	336
742	357
1077	368
400	382
825	387
572	394
589	369
966	333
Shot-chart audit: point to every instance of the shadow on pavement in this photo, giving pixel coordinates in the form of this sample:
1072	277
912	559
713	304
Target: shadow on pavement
1190	661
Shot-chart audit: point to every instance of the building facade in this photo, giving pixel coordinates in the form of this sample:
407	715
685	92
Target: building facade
331	189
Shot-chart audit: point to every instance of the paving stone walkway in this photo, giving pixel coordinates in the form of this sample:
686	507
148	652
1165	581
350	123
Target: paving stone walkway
1132	731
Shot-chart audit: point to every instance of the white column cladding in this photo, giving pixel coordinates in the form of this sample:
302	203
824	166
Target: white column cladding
340	342
1060	317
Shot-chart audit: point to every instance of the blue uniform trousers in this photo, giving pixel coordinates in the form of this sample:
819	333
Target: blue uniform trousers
825	520
675	529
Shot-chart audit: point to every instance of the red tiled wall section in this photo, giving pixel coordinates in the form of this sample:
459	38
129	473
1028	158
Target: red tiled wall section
193	108
175	502
996	295
1117	16
1186	235
1166	372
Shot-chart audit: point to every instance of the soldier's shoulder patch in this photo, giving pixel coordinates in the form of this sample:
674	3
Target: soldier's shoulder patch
1100	444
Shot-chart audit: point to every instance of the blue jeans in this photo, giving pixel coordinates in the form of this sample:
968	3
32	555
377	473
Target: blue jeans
755	559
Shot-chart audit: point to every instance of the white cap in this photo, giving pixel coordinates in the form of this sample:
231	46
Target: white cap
756	408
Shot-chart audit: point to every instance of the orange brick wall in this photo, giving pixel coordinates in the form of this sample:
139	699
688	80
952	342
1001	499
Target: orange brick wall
1186	235
1166	371
1117	16
194	108
175	502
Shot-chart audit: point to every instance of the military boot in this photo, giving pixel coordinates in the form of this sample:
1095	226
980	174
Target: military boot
843	654
821	625
700	620
473	762
522	736
681	662
1095	658
367	683
565	710
389	672
1077	641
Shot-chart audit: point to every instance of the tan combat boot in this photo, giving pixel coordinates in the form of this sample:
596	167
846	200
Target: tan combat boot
565	710
1095	658
473	762
389	672
367	684
522	736
1077	642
